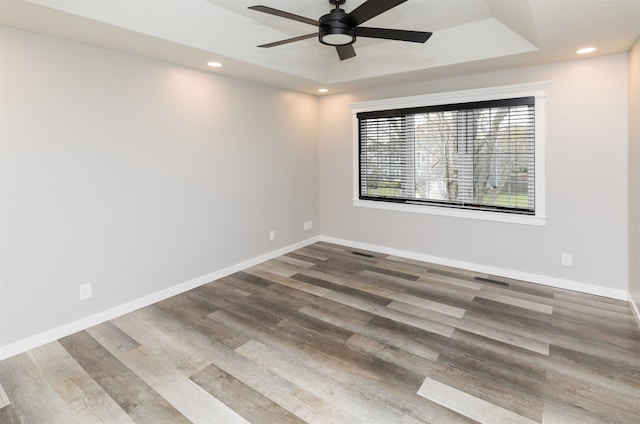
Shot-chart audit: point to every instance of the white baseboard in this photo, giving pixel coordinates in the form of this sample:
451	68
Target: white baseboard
84	323
509	273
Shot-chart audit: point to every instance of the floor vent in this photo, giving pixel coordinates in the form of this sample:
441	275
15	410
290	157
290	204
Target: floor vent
366	255
489	280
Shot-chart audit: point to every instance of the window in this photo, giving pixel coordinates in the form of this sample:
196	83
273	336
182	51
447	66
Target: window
476	155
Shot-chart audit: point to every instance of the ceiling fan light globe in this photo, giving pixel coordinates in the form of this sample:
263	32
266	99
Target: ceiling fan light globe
337	39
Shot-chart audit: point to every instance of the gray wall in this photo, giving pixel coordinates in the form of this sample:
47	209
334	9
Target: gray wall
634	174
136	176
586	180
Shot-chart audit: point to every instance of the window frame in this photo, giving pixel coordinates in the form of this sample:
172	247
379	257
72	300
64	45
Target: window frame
538	90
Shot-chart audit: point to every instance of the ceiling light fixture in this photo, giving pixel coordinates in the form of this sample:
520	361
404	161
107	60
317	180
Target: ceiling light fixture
323	90
586	50
332	31
214	64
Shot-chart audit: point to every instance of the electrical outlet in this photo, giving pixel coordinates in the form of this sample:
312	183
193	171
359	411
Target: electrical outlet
272	235
567	259
85	291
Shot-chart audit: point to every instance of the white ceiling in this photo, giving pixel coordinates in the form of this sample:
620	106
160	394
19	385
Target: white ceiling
470	36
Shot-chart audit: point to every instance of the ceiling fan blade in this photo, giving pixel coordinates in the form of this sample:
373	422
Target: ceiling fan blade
368	10
282	14
346	52
393	34
289	40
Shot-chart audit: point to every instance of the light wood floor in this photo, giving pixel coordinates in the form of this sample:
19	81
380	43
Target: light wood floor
327	334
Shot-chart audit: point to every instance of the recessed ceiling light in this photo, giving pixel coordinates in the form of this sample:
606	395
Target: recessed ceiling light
214	64
586	50
323	90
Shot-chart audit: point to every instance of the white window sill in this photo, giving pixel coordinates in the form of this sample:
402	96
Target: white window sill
455	213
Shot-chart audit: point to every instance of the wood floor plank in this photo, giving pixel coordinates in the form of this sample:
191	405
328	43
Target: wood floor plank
378	333
182	357
224	283
337	404
404	265
360	396
117	340
592	313
495	331
404	297
262	311
599	402
297	255
320	251
186	309
418	365
492	382
594	302
468	340
32	400
281	268
621	355
433	266
463	283
296	333
516	301
572	323
396	273
606	373
295	261
320	279
430	288
252	405
525	287
280	296
188	398
504	330
358	363
422	272
428	278
428	314
467	405
542	295
134	396
388	295
577	296
508	333
557	412
358	303
268	384
83	397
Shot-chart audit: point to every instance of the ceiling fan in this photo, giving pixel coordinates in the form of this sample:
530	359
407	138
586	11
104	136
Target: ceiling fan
340	29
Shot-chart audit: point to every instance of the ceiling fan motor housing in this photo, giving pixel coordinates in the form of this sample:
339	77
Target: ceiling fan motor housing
333	32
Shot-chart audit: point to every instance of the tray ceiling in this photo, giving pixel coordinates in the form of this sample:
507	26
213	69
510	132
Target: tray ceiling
470	36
